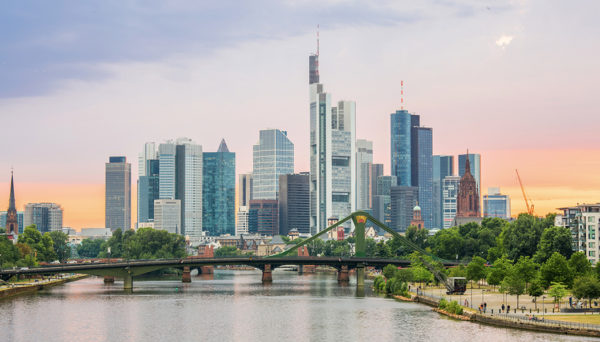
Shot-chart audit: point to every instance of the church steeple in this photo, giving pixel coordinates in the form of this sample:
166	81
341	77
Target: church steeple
11	201
467	164
12	222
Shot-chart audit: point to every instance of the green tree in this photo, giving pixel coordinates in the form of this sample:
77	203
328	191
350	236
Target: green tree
554	239
42	245
535	290
557	291
226	251
90	248
586	287
417	236
448	244
369	246
527	268
476	269
383	250
579	264
459	271
60	243
389	271
513	284
556	269
494	253
498	271
521	236
9	253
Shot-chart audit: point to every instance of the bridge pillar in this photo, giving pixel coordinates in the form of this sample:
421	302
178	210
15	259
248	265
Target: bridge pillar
360	275
206	270
186	277
343	276
109	280
128	282
300	269
267	276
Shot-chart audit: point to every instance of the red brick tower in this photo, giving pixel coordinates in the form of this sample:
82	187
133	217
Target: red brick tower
467	201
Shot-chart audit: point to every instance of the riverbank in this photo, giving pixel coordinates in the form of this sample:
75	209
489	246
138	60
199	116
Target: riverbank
15	289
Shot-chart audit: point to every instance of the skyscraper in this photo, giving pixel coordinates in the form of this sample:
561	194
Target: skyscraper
149	153
12	221
475	164
245	189
332	155
241	226
117	194
424	163
364	160
401	152
271	157
167	215
496	205
443	166
450	186
263	217
166	170
188	180
382	209
403	200
374	173
47	217
148	191
294	203
218	199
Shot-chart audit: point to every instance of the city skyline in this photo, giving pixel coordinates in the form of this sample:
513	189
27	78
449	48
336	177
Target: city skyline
485	111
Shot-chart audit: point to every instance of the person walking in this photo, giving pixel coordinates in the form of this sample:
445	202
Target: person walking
503	307
508	308
484	307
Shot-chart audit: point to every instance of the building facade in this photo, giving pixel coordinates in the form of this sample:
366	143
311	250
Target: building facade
424	171
219	191
188	180
4	217
241	226
245	187
474	165
12	219
148	191
584	222
443	166
47	217
400	149
450	186
118	194
167	215
263	217
294	203
403	200
374	173
364	160
271	157
467	201
382	201
496	205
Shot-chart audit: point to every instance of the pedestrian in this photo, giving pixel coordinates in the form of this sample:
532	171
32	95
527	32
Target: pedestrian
503	307
484	307
508	308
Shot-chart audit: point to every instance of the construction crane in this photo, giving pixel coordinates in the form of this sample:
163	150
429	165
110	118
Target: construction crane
529	207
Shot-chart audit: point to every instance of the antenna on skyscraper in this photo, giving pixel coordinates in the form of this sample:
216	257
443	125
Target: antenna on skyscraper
317	39
402	95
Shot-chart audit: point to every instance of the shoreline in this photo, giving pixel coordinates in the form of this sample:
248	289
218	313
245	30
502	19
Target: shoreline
17	290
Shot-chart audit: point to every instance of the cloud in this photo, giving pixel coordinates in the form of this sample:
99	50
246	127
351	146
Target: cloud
504	41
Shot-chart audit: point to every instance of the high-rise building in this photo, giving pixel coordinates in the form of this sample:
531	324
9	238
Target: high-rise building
374	173
382	202
332	155
495	204
424	172
403	200
12	219
443	166
149	153
47	217
188	180
475	166
450	186
364	160
241	226
467	201
294	203
245	189
583	221
117	194
167	215
166	160
263	217
148	191
219	191
271	157
400	149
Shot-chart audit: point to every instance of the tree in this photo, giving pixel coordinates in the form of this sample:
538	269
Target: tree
554	239
476	269
448	244
9	253
535	290
513	284
90	248
226	251
556	269
586	287
498	271
557	291
494	253
527	269
521	236
61	247
579	264
389	271
417	236
42	245
459	271
383	250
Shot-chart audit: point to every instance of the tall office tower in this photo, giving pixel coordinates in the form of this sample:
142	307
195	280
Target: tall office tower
443	166
271	157
218	199
403	200
467	200
166	169
241	226
188	180
118	194
167	215
415	124
364	160
262	217
332	154
475	164
12	220
401	151
148	191
382	209
245	189
496	205
424	163
149	153
375	171
294	203
47	217
450	186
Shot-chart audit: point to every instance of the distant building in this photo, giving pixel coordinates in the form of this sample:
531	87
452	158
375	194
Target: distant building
271	157
443	166
47	217
294	203
423	147
382	201
3	217
12	219
364	160
263	217
583	221
148	191
417	219
118	194
245	189
374	173
496	205
241	226
95	233
167	215
450	186
401	123
474	166
467	201
219	191
403	200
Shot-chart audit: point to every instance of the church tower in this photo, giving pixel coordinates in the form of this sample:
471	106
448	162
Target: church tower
417	220
467	201
12	223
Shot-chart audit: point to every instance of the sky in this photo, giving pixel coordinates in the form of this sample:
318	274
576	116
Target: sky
515	81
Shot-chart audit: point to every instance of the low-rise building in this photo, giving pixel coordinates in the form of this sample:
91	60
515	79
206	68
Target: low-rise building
584	221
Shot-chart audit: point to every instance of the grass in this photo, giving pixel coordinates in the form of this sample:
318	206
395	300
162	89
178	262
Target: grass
589	318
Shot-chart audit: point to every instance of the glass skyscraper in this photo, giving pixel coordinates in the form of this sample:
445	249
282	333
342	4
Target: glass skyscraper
364	160
401	153
425	173
218	199
495	204
117	194
271	157
148	191
443	166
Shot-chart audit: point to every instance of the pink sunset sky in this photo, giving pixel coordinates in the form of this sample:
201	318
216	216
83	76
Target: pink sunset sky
514	81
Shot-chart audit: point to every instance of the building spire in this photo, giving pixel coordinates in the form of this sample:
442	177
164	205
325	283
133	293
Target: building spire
468	164
11	201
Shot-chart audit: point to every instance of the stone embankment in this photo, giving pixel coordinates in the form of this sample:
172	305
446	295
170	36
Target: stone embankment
20	288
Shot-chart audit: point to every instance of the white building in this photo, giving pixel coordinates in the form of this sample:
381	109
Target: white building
332	155
149	153
449	193
364	160
584	221
47	217
167	215
271	157
241	227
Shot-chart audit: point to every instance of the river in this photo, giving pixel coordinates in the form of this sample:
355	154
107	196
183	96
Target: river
234	306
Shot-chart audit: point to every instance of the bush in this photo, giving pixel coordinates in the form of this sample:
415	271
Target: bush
454	308
376	283
443	304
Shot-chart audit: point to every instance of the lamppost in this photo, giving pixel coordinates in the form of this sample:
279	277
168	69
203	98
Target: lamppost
543	311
